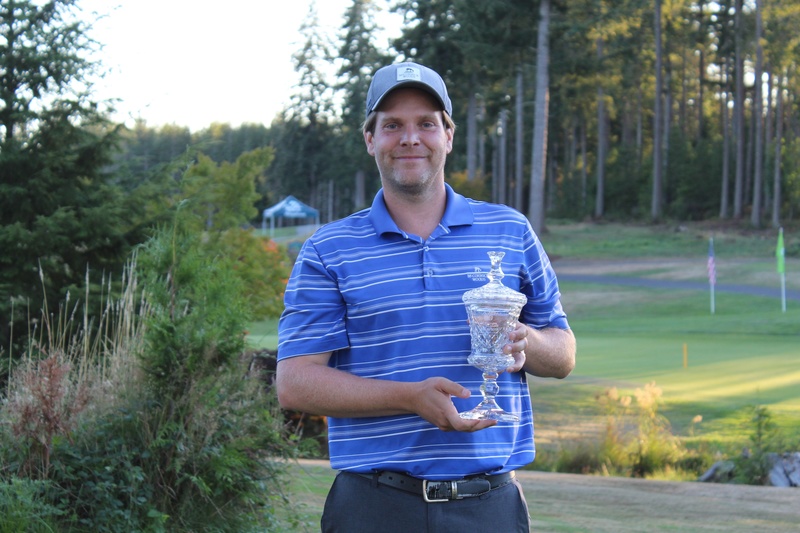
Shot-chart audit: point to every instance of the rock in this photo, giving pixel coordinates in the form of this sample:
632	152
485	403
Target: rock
793	469
785	470
720	472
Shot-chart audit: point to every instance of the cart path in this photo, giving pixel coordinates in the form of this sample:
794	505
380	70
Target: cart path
774	292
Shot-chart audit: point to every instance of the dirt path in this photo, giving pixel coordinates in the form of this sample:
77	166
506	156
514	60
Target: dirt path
592	504
673	274
571	502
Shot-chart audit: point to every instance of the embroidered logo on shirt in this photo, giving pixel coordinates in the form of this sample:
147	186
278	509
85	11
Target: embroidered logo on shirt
477	275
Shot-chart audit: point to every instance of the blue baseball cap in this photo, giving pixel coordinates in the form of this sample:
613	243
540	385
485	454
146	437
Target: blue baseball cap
392	77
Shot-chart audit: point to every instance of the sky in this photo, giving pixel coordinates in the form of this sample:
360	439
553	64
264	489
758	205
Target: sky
192	63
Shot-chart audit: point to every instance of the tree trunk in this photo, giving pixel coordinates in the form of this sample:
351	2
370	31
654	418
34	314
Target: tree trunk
472	135
726	142
360	193
599	199
758	139
502	139
701	96
741	141
584	170
519	152
666	133
656	204
776	180
539	155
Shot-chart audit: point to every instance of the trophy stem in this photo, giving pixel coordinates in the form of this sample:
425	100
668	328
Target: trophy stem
488	409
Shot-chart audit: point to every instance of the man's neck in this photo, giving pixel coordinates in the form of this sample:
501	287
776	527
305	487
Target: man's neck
418	214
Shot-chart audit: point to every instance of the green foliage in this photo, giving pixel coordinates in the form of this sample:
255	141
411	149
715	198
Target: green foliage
59	210
101	477
262	267
159	428
205	429
636	440
475	189
24	508
223	195
753	466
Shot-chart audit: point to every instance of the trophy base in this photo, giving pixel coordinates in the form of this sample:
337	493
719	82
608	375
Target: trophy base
489	412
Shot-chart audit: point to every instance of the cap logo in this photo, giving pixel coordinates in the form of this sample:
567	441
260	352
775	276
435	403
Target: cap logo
409	73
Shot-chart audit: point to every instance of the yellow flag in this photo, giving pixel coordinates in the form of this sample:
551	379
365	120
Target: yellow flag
780	253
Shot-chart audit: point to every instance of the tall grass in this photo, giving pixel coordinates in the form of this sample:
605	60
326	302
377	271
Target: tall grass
146	420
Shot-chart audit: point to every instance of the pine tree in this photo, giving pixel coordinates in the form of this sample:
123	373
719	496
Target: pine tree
59	213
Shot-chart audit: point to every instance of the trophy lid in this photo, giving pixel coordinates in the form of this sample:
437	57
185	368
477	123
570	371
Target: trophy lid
494	293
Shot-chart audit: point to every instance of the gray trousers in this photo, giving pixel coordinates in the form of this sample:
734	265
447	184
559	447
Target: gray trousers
356	504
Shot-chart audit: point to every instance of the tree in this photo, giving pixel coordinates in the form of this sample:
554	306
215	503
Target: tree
360	59
305	138
540	121
657	199
758	167
739	115
61	217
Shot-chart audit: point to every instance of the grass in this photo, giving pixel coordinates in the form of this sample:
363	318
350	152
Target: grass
747	353
615	241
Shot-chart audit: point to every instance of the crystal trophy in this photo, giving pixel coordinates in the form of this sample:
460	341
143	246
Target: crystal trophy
493	310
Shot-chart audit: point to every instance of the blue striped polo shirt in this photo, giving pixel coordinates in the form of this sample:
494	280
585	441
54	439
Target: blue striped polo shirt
388	305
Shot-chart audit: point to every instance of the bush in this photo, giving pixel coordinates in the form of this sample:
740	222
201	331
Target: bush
152	425
23	507
636	441
753	466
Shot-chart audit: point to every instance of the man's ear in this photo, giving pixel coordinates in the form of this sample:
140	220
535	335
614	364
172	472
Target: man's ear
449	132
368	140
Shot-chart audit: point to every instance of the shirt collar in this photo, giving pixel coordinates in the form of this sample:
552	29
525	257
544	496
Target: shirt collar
457	213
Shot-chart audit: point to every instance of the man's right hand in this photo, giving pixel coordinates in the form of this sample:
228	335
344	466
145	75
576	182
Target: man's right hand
433	403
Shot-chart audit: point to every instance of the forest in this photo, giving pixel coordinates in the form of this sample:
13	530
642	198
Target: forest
631	109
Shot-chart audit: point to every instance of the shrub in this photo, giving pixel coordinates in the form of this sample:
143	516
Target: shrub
23	507
753	466
151	425
636	441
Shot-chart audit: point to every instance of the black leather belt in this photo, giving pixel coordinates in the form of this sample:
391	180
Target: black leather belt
442	491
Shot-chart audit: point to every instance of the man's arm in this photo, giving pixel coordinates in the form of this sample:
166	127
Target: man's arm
546	352
306	383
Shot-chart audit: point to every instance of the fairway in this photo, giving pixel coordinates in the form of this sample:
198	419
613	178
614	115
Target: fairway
730	371
717	366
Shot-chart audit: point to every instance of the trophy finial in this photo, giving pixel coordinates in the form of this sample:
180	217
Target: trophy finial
496	273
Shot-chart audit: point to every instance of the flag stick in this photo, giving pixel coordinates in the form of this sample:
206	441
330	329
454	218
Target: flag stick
713	307
783	291
712	272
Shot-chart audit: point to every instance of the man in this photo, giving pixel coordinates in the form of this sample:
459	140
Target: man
375	334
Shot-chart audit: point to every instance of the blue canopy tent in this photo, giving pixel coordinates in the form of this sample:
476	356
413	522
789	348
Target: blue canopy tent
289	207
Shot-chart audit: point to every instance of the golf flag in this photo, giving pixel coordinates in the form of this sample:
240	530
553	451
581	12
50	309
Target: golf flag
712	272
712	265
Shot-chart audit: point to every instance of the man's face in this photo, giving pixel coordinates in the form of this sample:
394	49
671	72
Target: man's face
410	142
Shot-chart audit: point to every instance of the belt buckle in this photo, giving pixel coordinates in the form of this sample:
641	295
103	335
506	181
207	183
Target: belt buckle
428	499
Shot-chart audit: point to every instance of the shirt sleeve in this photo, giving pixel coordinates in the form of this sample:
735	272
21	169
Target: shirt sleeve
313	320
544	297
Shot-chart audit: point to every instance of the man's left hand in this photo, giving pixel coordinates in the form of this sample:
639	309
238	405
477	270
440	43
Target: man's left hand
517	346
